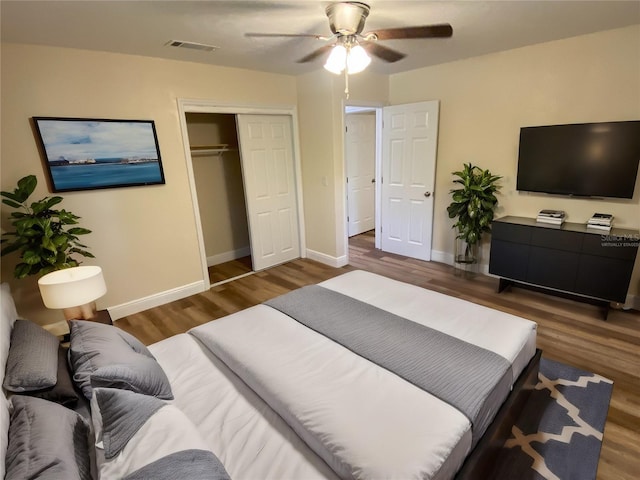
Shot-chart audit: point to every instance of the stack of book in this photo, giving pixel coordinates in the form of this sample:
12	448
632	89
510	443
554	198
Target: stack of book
553	217
601	221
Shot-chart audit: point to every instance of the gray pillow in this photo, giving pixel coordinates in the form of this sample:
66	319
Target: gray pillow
123	415
33	358
191	464
47	441
111	357
64	391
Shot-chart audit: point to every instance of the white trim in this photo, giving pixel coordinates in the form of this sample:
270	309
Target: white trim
378	200
298	179
447	258
237	277
198	105
155	300
328	259
633	302
442	257
183	108
228	256
355	106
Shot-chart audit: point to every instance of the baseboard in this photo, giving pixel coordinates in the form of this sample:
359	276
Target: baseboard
447	258
155	300
442	257
336	262
633	302
228	256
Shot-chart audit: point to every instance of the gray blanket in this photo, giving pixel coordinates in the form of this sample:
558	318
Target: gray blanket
465	376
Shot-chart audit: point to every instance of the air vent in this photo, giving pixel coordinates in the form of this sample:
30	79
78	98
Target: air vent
191	45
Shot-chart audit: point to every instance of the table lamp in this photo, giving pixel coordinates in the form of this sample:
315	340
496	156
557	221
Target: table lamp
74	290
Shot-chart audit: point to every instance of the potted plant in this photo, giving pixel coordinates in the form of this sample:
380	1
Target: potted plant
473	205
41	235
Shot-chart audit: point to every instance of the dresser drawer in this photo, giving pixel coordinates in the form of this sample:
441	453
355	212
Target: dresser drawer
557	239
553	268
511	232
616	272
509	259
611	246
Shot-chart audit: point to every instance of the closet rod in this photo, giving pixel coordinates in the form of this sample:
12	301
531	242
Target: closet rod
202	150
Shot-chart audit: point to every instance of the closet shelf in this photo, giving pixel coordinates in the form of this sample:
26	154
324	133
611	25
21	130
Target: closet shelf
202	150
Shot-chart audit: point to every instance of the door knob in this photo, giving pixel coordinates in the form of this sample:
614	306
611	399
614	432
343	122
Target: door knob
427	194
373	180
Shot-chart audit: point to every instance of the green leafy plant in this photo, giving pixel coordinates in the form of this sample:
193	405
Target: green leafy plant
474	203
41	234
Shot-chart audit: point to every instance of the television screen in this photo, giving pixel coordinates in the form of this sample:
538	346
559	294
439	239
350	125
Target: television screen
588	159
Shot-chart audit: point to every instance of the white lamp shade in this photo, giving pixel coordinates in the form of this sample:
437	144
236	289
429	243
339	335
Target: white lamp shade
72	287
357	60
337	59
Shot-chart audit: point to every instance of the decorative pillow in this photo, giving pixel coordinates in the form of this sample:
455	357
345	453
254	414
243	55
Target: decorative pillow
47	441
33	358
63	392
4	431
111	357
144	437
8	315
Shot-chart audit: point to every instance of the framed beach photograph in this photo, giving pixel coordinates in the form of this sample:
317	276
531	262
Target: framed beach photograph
86	154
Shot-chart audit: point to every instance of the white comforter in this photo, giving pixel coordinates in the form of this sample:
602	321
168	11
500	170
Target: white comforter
362	420
249	438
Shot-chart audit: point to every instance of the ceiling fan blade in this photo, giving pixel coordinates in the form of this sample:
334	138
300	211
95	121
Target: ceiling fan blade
318	37
315	54
426	31
385	53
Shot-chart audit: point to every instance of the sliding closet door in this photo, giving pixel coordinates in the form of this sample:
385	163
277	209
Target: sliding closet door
266	152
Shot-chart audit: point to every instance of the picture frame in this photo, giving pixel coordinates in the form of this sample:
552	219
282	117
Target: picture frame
91	153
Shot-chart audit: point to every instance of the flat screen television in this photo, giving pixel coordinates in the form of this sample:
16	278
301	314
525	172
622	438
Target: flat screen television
587	159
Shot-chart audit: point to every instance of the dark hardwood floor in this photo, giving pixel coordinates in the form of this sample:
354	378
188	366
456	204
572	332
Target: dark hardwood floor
231	269
568	331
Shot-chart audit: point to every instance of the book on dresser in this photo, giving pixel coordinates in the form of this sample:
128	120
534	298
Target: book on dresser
600	221
552	217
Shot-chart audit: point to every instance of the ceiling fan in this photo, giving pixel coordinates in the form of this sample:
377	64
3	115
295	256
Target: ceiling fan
346	20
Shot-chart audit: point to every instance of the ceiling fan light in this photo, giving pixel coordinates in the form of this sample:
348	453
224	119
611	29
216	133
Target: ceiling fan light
357	60
337	59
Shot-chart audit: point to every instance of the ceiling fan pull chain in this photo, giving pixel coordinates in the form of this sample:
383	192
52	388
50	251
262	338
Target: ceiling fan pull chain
346	83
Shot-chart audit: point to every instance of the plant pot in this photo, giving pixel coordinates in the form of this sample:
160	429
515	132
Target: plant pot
465	253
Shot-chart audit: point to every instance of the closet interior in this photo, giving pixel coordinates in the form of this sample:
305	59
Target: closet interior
217	171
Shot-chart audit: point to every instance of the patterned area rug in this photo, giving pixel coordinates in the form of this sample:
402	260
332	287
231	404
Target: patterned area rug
559	434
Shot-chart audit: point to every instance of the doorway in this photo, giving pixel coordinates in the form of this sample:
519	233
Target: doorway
360	174
213	141
360	158
404	176
265	141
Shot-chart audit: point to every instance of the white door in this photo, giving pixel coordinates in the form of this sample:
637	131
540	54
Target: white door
266	153
360	141
409	141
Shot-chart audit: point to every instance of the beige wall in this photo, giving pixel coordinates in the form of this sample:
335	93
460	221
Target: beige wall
485	100
315	120
321	103
218	179
144	238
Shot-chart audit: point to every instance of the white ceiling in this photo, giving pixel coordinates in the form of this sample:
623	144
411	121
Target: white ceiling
144	27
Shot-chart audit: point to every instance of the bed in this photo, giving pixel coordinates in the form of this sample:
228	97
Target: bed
273	396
